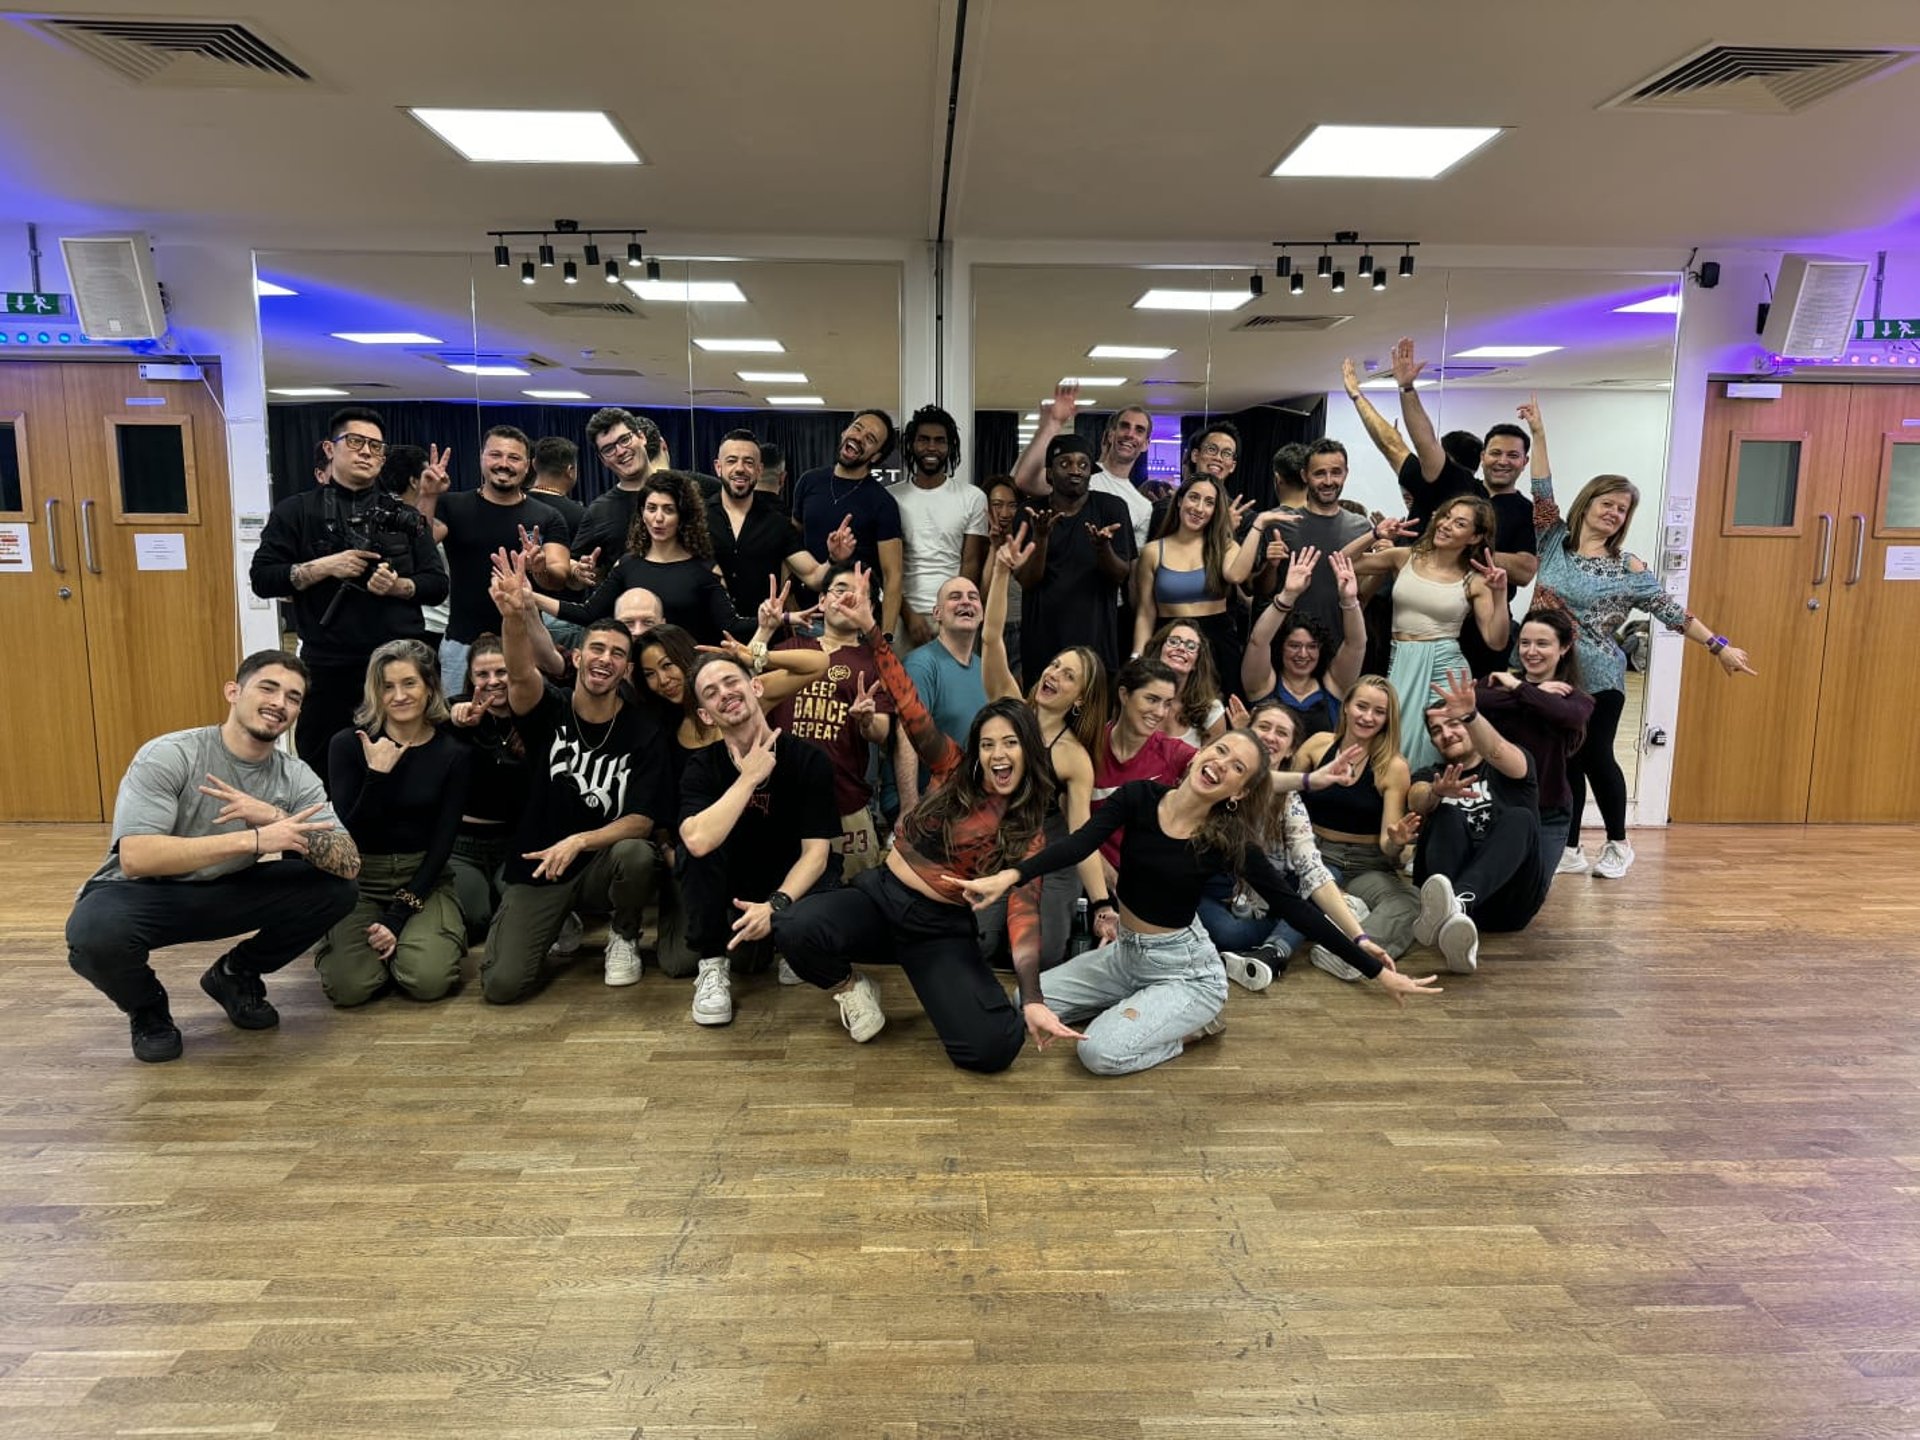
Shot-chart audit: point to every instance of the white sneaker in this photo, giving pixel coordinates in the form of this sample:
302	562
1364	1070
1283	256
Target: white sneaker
1361	910
623	961
1332	964
860	1009
787	975
1573	861
1252	969
1616	858
1459	941
569	942
1437	906
713	994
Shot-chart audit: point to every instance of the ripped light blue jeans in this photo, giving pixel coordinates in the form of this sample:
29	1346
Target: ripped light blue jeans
1146	994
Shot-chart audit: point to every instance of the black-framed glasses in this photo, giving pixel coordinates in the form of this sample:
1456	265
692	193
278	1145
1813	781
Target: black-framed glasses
610	448
366	444
1218	452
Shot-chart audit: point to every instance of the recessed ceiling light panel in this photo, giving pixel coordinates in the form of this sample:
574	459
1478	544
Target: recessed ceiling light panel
773	377
1131	352
1657	305
742	347
795	400
531	137
265	288
386	337
488	370
1094	382
1192	300
1382	152
556	394
308	392
699	292
1505	352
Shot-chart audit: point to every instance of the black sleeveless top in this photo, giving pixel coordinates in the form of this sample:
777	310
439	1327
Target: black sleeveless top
1355	809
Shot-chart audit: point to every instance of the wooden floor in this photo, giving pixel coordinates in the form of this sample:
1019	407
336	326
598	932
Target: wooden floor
1654	1172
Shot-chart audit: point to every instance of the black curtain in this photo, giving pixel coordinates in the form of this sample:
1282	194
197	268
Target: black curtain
995	443
692	438
1263	430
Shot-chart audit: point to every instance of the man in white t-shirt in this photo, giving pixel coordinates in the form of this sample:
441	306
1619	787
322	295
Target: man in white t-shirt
943	522
1123	445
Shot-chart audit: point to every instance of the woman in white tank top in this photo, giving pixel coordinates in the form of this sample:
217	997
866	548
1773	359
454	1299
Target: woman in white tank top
1448	572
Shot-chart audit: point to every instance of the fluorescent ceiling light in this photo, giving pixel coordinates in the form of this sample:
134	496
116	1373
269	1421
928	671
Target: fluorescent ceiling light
795	400
386	337
1033	419
1094	382
556	394
264	288
772	377
742	347
1131	352
531	137
307	392
1389	383
1505	352
1658	305
1192	300
1383	152
718	292
488	370
1077	404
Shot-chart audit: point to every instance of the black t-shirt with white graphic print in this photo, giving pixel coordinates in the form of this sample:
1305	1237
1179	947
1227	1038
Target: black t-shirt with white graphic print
1496	793
583	775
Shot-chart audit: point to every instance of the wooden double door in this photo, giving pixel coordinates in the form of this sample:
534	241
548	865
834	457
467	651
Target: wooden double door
117	609
1807	553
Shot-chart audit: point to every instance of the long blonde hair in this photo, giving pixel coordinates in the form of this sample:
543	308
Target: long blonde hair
1483	521
369	716
1382	750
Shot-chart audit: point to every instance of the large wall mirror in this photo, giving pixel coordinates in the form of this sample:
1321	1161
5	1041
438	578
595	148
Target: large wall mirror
1600	361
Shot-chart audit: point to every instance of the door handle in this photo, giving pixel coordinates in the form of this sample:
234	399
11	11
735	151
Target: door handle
1859	549
53	541
86	537
1825	572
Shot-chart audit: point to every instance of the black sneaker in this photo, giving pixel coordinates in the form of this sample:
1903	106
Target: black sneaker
155	1036
242	994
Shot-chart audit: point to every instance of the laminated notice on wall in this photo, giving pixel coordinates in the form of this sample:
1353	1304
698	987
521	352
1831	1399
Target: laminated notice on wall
16	550
1903	562
160	552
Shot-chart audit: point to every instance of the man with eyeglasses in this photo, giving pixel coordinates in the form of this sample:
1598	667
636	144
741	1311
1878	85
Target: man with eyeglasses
358	563
628	445
1123	447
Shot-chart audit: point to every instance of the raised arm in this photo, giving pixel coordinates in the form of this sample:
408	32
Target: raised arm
1005	559
513	597
1386	437
1030	470
1426	442
1457	696
939	754
1352	653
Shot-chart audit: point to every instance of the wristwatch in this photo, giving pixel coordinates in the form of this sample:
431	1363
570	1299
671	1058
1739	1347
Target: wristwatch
778	901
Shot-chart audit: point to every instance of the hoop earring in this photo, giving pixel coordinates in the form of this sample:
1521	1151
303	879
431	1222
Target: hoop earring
1234	803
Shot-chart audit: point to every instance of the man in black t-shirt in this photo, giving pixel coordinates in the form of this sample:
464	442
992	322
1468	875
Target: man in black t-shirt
1083	552
1478	859
849	493
630	446
758	825
597	790
473	524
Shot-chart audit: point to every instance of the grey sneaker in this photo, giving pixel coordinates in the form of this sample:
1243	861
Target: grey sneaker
623	961
1437	906
1573	861
787	974
1333	964
571	931
713	993
1459	942
860	1009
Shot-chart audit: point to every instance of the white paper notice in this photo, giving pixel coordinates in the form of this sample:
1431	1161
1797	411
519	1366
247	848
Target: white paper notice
160	552
16	549
1903	562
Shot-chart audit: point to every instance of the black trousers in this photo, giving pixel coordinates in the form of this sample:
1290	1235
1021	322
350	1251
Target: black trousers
334	691
1502	869
882	922
710	883
117	924
1594	764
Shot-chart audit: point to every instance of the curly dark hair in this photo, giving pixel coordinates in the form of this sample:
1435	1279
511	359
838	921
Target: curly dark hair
939	419
684	491
965	791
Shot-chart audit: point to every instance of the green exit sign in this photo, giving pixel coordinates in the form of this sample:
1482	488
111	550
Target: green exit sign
35	302
1886	329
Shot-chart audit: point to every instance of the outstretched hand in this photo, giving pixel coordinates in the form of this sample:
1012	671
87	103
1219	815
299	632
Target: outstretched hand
1044	1026
1406	366
1400	986
1341	769
1456	696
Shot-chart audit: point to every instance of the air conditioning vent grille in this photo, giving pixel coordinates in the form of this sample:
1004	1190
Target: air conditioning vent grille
585	309
174	54
1758	79
1292	322
606	370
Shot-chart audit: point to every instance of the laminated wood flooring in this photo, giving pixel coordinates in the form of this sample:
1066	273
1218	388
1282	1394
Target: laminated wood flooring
1653	1172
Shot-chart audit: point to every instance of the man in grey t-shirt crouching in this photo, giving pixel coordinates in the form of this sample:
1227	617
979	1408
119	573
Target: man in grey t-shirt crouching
215	833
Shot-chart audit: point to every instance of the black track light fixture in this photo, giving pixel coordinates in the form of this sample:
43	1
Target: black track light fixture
591	256
570	273
1299	283
1380	278
1324	267
1283	267
526	272
1338	281
613	272
1406	265
1256	285
546	255
1365	267
502	256
634	257
653	269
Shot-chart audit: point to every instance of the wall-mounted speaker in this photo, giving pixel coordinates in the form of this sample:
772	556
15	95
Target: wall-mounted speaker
115	292
1814	302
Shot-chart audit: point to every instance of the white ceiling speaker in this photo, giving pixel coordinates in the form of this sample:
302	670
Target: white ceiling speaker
1814	302
115	292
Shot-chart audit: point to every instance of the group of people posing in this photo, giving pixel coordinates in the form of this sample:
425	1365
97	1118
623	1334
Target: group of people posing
1132	741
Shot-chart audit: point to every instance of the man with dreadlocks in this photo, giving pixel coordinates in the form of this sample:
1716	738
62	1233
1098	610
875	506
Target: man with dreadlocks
943	521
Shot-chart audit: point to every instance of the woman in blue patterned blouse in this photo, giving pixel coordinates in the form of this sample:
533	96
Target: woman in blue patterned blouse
1584	571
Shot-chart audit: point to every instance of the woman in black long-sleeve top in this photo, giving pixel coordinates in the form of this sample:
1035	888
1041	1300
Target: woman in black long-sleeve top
670	553
398	782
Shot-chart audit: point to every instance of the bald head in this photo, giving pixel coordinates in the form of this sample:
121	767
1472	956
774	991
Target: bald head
638	610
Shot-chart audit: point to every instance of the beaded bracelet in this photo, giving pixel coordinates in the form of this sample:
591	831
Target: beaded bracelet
412	901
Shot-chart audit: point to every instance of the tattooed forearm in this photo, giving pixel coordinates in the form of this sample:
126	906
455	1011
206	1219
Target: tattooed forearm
334	852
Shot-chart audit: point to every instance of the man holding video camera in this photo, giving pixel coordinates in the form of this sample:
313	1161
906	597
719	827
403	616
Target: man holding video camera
358	563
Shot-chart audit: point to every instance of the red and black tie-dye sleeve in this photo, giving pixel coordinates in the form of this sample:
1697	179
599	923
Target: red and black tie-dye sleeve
938	753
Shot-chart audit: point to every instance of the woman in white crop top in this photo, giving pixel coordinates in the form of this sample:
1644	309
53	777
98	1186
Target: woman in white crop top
1448	572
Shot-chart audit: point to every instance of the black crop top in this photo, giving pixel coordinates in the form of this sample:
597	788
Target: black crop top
1355	809
1161	878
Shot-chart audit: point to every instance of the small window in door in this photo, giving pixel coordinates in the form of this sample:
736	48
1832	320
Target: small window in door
153	475
1899	509
1764	496
14	500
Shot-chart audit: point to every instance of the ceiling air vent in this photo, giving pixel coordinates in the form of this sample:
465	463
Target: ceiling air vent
606	370
584	309
525	359
716	395
174	54
1292	322
1175	384
1758	79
